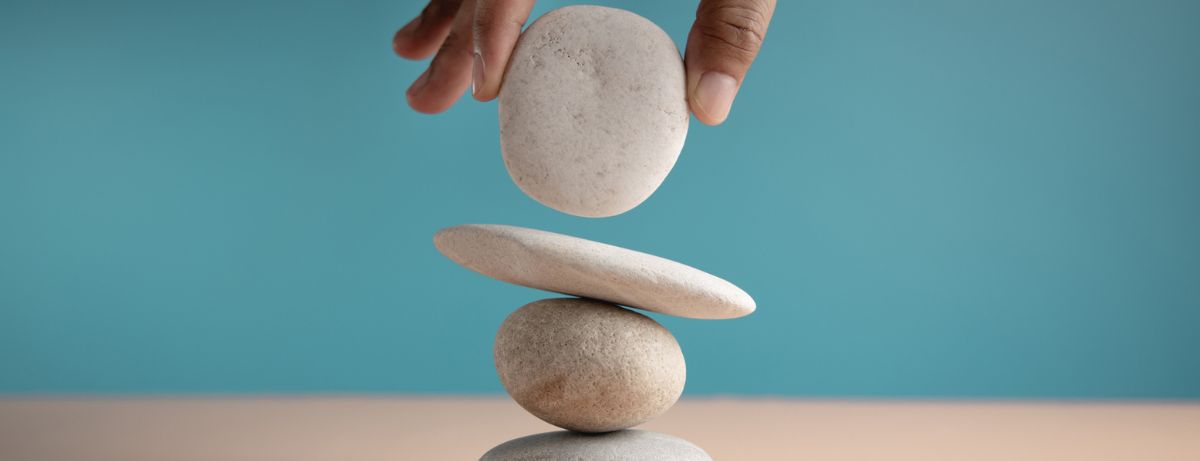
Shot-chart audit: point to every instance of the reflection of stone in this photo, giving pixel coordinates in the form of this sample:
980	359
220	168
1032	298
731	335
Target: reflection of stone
627	445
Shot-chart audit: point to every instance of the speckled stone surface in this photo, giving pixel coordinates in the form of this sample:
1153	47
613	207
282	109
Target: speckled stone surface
587	365
580	267
593	110
613	446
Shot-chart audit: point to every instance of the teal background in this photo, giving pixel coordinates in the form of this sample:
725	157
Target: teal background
926	198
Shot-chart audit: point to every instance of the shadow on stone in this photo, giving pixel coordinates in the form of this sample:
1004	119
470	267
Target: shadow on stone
627	445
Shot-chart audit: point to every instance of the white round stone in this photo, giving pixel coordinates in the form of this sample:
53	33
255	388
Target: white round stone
593	110
614	446
587	365
575	266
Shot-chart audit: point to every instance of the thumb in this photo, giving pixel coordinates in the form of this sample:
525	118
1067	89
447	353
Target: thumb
721	46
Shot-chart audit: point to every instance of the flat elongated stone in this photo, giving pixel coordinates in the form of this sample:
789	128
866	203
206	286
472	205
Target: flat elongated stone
588	366
580	267
614	446
593	110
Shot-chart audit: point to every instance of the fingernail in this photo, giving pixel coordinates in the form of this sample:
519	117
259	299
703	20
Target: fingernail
418	84
714	94
477	75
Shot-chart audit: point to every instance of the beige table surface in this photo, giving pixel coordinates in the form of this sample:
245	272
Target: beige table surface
394	428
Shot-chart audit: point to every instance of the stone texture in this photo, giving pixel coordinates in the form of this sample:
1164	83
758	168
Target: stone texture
613	446
580	267
593	110
587	365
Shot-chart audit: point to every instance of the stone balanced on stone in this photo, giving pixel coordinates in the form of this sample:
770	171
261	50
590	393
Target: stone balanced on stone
593	115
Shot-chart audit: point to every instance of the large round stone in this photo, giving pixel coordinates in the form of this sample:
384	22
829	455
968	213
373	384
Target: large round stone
613	446
587	365
593	110
580	267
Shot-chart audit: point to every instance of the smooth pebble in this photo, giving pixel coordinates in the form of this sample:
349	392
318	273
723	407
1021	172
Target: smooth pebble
593	110
575	266
588	366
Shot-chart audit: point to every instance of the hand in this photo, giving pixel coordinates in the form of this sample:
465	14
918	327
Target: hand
474	39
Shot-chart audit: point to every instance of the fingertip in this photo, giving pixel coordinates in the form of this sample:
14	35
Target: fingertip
427	104
400	45
441	85
422	100
424	34
402	40
423	106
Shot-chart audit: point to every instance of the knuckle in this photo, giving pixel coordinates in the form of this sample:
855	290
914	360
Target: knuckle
738	27
489	17
456	42
494	21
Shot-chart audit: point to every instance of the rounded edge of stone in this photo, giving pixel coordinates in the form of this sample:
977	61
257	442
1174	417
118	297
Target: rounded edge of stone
740	304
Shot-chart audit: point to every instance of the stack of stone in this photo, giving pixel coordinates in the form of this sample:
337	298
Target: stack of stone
592	118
